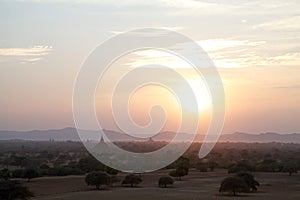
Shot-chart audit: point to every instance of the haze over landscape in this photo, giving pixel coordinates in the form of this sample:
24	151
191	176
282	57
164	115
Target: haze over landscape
70	134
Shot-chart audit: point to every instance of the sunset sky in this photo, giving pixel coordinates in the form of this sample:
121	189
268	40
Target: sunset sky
254	44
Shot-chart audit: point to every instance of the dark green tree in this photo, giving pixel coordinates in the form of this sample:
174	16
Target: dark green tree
290	168
178	173
90	164
233	185
249	180
202	167
97	178
5	174
182	165
30	174
212	165
132	180
10	190
241	166
164	181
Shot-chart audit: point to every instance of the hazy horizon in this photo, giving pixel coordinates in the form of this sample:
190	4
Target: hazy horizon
164	131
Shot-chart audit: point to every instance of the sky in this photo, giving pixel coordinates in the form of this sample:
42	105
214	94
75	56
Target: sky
255	46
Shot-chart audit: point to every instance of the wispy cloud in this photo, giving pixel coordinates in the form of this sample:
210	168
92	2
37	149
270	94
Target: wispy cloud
171	28
24	55
287	24
291	58
226	53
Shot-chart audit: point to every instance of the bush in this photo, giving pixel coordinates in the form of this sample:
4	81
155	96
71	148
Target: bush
114	179
18	173
98	178
269	165
30	174
164	181
212	165
202	167
5	174
90	164
290	168
25	173
10	190
132	180
233	185
242	166
249	180
178	173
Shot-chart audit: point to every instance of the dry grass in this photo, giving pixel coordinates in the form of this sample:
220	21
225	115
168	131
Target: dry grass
195	186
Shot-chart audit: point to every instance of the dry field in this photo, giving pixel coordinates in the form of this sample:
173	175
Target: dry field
197	185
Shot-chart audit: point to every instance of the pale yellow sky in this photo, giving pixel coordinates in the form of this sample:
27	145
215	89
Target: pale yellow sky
254	45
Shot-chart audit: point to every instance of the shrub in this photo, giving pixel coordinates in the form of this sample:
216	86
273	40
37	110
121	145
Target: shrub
202	167
97	178
5	174
132	180
10	190
290	168
164	181
249	180
242	166
30	174
25	173
178	173
233	185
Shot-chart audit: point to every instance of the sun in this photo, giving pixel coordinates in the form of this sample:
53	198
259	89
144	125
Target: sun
186	70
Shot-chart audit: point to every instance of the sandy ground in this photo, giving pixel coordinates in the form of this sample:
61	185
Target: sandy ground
196	185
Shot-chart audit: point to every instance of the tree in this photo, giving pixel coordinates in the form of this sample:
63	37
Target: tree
97	178
249	180
233	185
182	165
110	170
178	173
202	167
212	165
242	166
164	181
90	164
5	174
132	180
17	173
290	168
269	165
114	179
30	174
10	190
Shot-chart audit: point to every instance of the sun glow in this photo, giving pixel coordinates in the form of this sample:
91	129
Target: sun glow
155	101
182	67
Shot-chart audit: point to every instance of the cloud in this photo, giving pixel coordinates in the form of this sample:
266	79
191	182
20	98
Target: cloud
226	53
171	28
244	53
24	55
291	59
287	24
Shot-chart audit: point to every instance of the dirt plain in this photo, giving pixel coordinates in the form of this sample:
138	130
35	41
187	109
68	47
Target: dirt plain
197	185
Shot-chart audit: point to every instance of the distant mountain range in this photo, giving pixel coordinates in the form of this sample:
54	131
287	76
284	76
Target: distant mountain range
71	134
